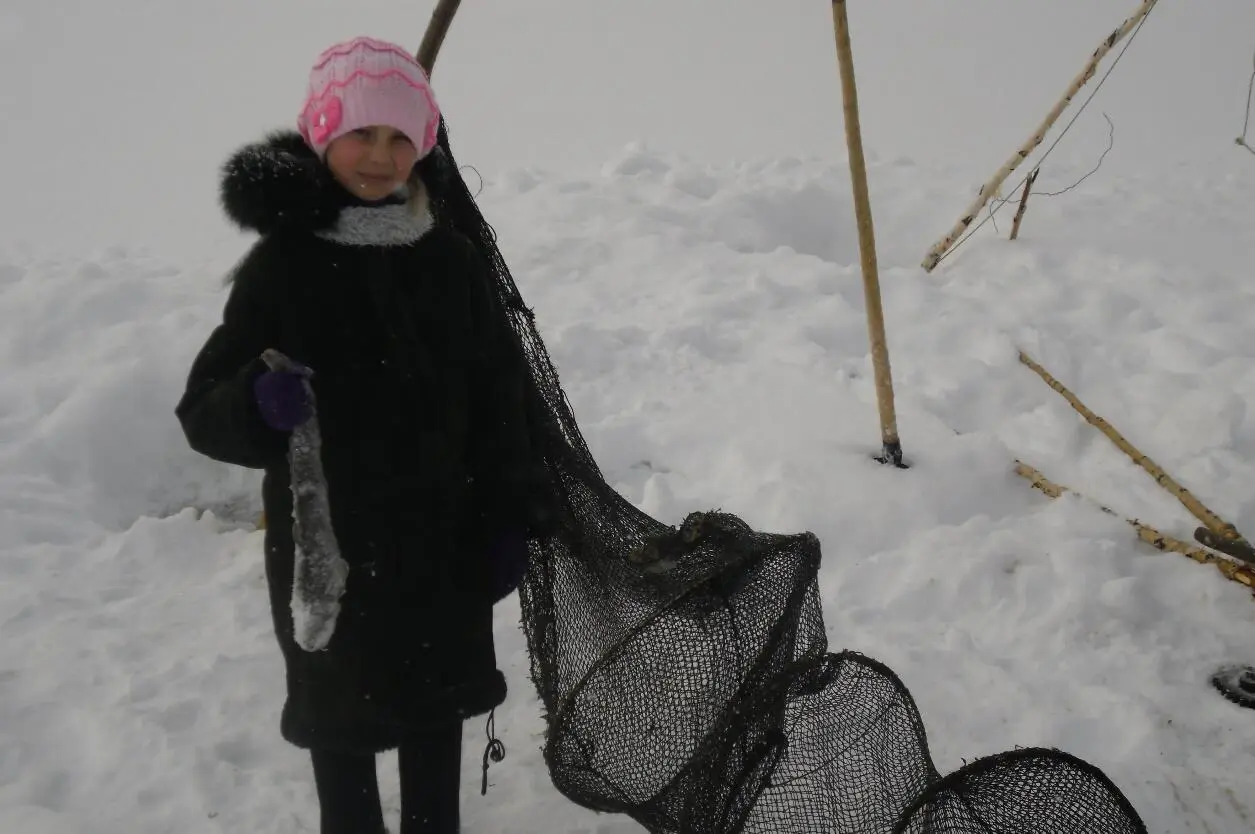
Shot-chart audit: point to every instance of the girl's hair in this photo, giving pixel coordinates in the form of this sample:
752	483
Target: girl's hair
419	198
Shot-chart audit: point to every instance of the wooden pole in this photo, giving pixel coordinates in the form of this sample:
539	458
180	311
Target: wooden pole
437	28
892	446
991	188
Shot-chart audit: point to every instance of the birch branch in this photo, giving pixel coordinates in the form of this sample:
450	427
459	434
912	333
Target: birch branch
1168	544
1223	530
1019	213
992	187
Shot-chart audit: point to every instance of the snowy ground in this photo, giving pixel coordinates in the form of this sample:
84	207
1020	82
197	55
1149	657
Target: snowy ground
707	320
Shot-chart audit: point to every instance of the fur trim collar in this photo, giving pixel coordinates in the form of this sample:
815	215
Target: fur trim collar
388	225
279	184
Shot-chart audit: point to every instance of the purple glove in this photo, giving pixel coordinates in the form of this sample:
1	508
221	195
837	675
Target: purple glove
281	398
507	563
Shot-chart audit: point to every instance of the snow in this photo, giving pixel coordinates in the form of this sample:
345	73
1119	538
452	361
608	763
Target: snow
700	291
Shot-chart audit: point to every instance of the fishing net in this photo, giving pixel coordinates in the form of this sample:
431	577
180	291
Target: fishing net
685	672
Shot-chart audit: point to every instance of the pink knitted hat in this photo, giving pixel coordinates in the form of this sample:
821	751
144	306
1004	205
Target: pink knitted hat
363	82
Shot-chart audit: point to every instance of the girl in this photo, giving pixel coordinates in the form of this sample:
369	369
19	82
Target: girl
421	391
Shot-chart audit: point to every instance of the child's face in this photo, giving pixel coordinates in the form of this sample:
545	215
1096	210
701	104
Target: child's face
372	162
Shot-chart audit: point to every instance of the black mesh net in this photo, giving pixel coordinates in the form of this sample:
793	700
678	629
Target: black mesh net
686	676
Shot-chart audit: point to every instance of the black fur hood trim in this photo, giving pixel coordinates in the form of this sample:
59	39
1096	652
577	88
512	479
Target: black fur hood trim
277	184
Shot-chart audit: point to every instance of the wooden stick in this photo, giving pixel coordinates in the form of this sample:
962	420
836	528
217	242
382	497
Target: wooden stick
991	188
866	240
437	28
1213	522
1019	213
1231	570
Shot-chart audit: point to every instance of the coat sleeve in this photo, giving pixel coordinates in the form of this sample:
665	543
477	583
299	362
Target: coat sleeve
217	411
511	482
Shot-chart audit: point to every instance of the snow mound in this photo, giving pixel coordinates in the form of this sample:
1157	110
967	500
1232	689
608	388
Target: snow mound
100	349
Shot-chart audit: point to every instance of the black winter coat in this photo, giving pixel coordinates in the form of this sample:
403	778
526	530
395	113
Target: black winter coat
421	397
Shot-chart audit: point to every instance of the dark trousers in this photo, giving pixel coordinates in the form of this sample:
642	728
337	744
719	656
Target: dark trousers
430	769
